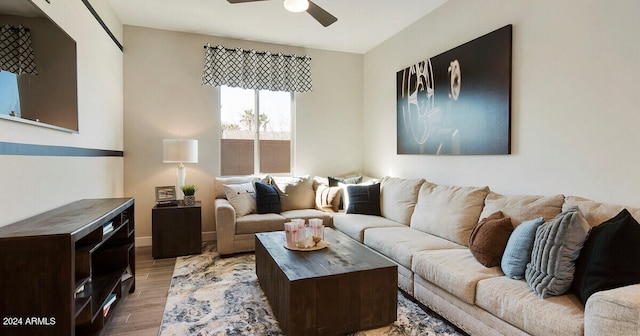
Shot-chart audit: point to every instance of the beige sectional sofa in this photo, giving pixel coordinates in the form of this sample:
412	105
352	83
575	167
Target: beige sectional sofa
425	229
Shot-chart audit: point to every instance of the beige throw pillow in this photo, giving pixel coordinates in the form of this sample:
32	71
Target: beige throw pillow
219	182
328	198
242	198
296	192
398	198
448	212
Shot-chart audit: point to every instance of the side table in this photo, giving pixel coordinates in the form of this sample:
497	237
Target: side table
176	230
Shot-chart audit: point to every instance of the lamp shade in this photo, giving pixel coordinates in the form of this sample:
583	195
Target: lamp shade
179	151
296	6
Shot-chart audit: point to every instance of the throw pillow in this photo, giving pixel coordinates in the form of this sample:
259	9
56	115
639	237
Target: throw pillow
296	192
556	247
517	253
364	199
489	238
609	258
267	198
242	197
333	181
328	198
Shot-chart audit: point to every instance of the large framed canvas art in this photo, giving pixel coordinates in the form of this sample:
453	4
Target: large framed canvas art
458	102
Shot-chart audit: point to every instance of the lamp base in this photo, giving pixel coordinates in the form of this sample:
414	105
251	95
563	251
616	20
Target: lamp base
181	174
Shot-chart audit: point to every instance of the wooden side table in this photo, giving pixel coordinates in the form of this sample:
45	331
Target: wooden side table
176	230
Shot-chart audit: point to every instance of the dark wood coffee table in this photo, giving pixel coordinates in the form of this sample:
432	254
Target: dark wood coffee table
340	289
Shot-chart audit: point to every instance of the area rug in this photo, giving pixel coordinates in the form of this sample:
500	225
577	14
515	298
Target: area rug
210	295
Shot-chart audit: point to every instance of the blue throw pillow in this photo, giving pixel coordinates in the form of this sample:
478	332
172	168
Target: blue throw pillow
518	251
609	258
364	199
267	198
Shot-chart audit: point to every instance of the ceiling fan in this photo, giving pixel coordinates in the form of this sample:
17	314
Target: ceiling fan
321	15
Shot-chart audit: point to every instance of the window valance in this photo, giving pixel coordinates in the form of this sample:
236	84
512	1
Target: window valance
250	69
16	50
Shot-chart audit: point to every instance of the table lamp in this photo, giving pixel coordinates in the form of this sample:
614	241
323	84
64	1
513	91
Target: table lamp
180	151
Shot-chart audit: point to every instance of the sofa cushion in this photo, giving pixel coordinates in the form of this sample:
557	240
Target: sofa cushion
400	243
307	214
267	198
555	249
610	257
364	199
259	223
354	225
328	198
398	198
514	302
489	239
296	192
242	197
218	182
517	253
449	212
523	207
455	270
596	212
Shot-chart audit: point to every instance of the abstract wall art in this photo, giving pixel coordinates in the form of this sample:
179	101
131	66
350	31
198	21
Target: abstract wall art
458	102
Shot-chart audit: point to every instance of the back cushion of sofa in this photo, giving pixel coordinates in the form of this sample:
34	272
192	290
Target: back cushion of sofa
596	213
523	207
398	198
297	192
219	182
448	212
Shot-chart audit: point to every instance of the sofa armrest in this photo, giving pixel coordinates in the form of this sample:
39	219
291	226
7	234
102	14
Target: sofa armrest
225	225
613	312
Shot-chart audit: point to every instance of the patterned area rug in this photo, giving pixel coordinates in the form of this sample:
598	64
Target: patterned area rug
210	295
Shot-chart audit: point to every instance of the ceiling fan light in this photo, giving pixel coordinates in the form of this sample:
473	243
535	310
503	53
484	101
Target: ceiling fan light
296	6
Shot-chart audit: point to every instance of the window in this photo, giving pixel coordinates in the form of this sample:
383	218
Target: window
9	96
255	131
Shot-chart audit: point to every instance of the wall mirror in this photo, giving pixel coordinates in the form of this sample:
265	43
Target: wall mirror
38	70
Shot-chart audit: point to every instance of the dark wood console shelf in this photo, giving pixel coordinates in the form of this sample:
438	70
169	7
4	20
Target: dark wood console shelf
59	269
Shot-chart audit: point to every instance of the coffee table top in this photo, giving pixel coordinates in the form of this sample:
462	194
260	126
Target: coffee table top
344	255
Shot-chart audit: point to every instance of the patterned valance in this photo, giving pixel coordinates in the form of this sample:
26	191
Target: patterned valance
16	51
250	69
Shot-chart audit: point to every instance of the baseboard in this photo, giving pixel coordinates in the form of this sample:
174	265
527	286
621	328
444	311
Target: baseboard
147	241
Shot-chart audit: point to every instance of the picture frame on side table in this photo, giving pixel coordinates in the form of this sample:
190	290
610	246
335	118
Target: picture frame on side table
166	196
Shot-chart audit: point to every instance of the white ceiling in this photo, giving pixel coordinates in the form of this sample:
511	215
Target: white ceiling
361	25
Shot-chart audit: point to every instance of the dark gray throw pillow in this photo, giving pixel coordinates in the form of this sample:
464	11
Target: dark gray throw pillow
364	199
267	198
555	250
610	257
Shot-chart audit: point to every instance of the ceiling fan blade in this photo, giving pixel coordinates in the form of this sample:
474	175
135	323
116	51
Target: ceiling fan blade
241	1
321	15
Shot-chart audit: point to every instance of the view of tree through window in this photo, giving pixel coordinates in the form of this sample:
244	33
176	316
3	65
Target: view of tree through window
255	132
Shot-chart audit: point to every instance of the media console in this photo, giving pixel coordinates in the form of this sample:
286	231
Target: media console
62	272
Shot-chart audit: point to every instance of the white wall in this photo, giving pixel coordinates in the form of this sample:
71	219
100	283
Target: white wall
575	114
33	184
164	98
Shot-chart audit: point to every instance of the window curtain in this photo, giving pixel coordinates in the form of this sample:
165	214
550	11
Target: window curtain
16	50
249	69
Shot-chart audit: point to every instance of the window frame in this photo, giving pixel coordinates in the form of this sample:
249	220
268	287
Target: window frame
256	140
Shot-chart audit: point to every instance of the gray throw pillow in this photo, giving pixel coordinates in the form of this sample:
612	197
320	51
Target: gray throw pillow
556	247
518	251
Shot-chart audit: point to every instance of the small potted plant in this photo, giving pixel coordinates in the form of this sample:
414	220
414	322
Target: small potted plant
189	191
